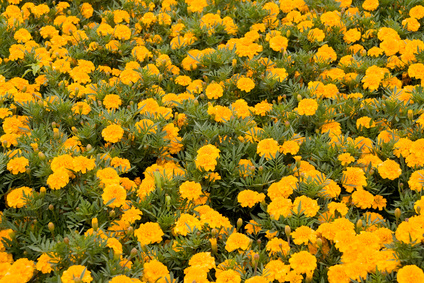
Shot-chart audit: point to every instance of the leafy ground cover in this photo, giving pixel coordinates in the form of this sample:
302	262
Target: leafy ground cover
212	141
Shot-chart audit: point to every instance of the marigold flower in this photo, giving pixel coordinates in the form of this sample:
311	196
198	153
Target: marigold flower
303	262
112	101
276	245
114	195
237	241
353	178
245	84
214	91
307	107
17	165
410	273
280	206
16	199
113	133
389	169
59	179
149	233
228	276
304	235
268	148
75	272
249	198
306	205
190	190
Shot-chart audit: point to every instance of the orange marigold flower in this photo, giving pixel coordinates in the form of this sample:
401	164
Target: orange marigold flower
74	272
149	233
346	159
304	235
353	178
276	245
112	101
113	133
268	148
114	195
245	84
278	43
362	198
410	273
17	198
185	224
214	91
249	198
155	271
237	241
228	276
59	179
306	205
389	169
190	190
17	165
303	262
307	107
291	147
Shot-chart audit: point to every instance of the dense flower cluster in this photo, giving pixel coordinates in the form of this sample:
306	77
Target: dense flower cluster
212	141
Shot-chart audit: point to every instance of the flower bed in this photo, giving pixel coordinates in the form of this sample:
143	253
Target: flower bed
212	141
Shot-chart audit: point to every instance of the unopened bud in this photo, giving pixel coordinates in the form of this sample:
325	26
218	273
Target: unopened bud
50	226
410	114
130	230
319	242
299	97
239	223
66	240
359	224
89	147
41	155
54	125
74	130
214	245
95	224
213	232
51	207
112	213
287	230
134	252
42	191
287	123
397	213
418	209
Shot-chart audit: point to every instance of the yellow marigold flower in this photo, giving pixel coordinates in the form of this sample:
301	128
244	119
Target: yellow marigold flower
214	91
353	178
416	181
21	270
245	84
44	263
16	199
337	274
306	205
276	245
237	241
75	271
122	279
190	190
280	206
86	10
17	165
22	35
228	276
131	215
249	198
112	101
304	235
417	12
59	179
365	122
155	271
352	36
276	270
346	159
325	54
83	164
114	195
203	259
115	245
149	233
362	198
262	108
370	5
185	224
283	188
303	262
316	34
113	133
278	43
290	147
389	169
81	108
410	273
268	148
307	107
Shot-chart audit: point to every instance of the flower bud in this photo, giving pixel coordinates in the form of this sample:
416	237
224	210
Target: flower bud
239	223
213	245
74	130
410	114
89	147
397	213
418	209
42	191
94	224
134	252
41	155
213	232
51	227
130	230
299	97
51	207
112	213
359	224
66	240
287	230
319	242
